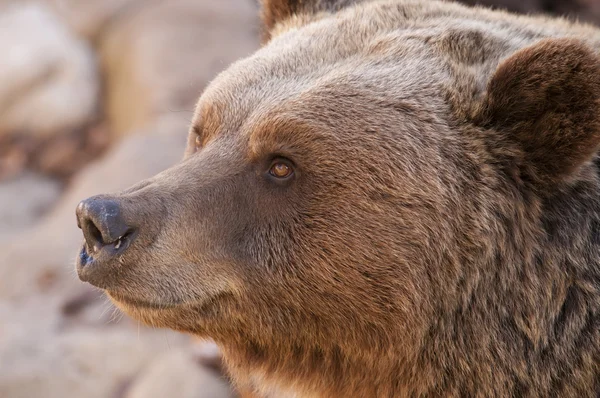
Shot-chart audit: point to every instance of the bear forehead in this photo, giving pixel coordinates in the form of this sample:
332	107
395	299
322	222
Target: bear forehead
396	49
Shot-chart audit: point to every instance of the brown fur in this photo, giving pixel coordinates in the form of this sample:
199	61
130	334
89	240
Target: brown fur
440	236
546	97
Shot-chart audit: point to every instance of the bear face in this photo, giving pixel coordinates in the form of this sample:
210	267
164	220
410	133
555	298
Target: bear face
230	226
366	206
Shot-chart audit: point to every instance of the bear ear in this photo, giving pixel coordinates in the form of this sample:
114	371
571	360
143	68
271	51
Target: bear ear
276	11
546	99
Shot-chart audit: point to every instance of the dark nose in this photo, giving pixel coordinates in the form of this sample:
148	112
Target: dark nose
102	224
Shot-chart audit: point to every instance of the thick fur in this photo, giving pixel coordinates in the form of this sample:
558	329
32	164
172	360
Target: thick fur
440	236
546	98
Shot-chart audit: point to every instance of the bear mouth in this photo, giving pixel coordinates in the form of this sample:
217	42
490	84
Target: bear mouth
95	264
89	254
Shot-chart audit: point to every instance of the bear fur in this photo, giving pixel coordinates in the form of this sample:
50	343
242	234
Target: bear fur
439	234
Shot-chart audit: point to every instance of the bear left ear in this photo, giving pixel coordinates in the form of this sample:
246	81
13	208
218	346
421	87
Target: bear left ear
546	98
275	11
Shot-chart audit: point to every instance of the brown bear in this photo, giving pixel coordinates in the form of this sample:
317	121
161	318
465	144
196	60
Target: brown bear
390	198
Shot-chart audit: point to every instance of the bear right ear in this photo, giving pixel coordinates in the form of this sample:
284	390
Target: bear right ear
546	99
276	11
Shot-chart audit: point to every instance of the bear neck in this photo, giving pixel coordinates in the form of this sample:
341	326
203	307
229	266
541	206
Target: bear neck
302	369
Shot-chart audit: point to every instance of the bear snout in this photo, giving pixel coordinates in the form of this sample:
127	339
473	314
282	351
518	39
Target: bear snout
106	237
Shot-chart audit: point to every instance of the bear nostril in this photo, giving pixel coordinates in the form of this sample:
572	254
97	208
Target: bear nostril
93	236
102	224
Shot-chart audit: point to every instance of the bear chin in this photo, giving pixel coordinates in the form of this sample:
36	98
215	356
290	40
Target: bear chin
194	317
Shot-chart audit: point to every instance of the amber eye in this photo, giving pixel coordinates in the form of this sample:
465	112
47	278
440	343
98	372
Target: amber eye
281	169
198	142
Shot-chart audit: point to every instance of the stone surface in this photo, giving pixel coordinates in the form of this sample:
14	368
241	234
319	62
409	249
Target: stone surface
159	59
82	363
177	374
90	18
23	200
49	77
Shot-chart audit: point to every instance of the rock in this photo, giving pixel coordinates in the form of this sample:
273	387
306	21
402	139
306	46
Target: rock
158	59
88	18
23	200
64	156
81	363
59	157
177	374
49	77
13	158
28	320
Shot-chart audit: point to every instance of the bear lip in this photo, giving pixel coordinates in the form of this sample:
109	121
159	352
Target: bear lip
85	261
95	264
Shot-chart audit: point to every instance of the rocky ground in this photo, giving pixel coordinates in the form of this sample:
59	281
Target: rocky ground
94	96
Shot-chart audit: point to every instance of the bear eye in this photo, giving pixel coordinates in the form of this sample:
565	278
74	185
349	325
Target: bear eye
281	169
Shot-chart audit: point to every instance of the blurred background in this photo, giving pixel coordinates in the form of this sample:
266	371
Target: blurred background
96	95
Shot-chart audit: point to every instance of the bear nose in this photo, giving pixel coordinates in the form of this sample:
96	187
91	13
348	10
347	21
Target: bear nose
102	224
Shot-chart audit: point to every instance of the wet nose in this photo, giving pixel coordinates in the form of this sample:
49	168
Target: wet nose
102	224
